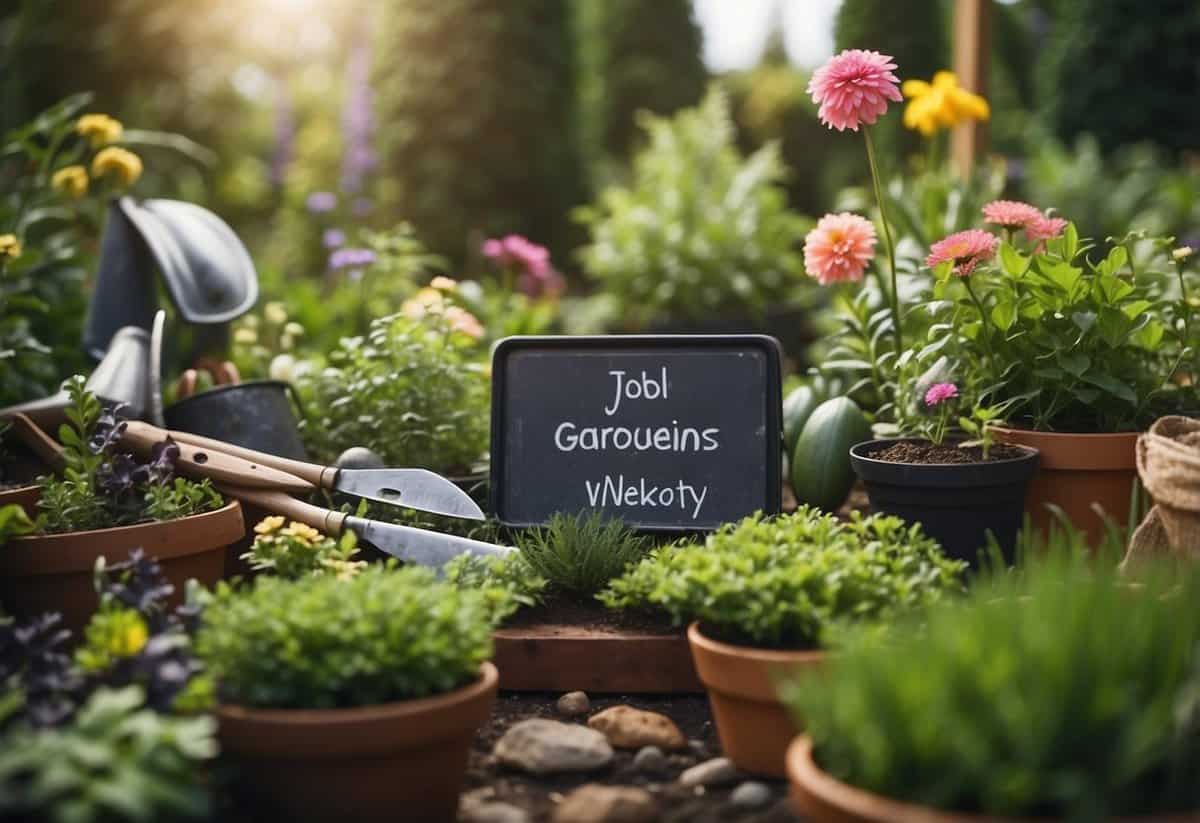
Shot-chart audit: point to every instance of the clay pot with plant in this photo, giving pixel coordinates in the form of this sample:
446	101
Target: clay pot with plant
1082	353
105	504
761	597
1078	716
352	696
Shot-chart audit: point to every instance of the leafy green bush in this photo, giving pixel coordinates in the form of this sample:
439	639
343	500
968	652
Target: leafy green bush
410	390
508	582
1060	693
700	229
101	487
319	642
781	582
115	761
579	554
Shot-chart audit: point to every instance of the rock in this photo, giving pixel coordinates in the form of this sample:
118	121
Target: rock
492	813
650	760
716	772
541	746
751	795
573	704
594	803
359	457
630	728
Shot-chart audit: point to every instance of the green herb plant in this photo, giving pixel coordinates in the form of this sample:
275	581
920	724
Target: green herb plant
297	550
1059	693
578	554
318	642
14	522
782	582
412	390
116	760
699	230
509	582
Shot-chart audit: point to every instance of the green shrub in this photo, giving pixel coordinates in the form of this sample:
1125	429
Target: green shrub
115	761
1062	693
700	230
781	582
508	582
319	642
579	554
410	390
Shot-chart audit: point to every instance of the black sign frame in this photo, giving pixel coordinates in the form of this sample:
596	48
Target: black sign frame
773	413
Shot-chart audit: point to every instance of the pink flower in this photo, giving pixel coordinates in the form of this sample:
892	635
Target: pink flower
839	248
939	393
515	250
854	88
1011	213
1044	228
967	249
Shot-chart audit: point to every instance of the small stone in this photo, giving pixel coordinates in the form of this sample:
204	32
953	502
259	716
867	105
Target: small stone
716	772
492	813
630	728
573	704
594	803
541	746
751	795
650	760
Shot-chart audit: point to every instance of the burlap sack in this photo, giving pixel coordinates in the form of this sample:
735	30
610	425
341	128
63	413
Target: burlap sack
1168	461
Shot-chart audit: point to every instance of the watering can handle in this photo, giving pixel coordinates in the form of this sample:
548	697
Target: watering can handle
322	477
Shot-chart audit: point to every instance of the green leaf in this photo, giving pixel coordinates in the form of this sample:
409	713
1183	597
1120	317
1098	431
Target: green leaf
1004	313
1063	275
1148	336
1075	363
1084	320
1113	326
1012	261
1112	386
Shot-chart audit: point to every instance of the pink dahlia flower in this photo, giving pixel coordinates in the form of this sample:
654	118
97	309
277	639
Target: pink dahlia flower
939	393
1044	228
854	88
839	248
966	249
1011	213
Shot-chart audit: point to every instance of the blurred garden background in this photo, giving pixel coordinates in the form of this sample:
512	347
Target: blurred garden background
635	164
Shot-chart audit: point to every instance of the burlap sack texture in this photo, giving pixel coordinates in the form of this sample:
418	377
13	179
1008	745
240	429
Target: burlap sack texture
1168	461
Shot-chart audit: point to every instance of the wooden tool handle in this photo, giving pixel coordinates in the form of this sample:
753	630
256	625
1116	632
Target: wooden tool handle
216	465
326	520
320	476
43	445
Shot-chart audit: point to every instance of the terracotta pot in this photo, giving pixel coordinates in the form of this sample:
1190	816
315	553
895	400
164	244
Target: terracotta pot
53	573
754	727
26	497
398	761
1077	471
825	799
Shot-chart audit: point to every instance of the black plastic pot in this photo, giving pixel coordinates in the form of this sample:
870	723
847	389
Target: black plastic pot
956	503
257	415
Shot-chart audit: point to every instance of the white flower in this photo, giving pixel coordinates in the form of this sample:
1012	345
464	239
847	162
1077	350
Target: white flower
283	367
275	313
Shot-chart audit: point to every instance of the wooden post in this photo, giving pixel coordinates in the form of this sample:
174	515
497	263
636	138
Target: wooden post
972	55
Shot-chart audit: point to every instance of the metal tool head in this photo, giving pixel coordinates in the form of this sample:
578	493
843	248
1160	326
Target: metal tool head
411	488
421	546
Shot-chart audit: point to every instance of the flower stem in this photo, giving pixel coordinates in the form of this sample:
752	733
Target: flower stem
986	329
887	235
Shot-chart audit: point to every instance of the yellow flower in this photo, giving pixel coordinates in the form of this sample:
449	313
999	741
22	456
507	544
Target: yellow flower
269	524
99	129
130	640
275	313
10	246
245	337
302	531
71	180
426	301
941	104
122	164
443	284
1182	253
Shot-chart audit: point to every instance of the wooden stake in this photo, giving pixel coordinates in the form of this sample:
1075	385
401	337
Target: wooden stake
972	56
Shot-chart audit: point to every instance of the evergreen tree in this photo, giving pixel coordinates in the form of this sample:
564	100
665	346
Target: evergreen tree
476	103
1124	70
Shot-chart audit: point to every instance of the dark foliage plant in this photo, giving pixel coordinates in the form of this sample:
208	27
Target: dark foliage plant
579	554
784	582
1064	692
387	634
36	672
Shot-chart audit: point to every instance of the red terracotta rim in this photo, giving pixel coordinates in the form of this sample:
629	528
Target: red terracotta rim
77	551
767	657
402	724
1108	451
812	785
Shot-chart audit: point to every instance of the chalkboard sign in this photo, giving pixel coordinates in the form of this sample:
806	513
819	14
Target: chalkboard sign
666	432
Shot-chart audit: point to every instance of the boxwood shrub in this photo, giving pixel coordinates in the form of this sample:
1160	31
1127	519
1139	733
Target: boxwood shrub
387	634
1063	693
781	582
